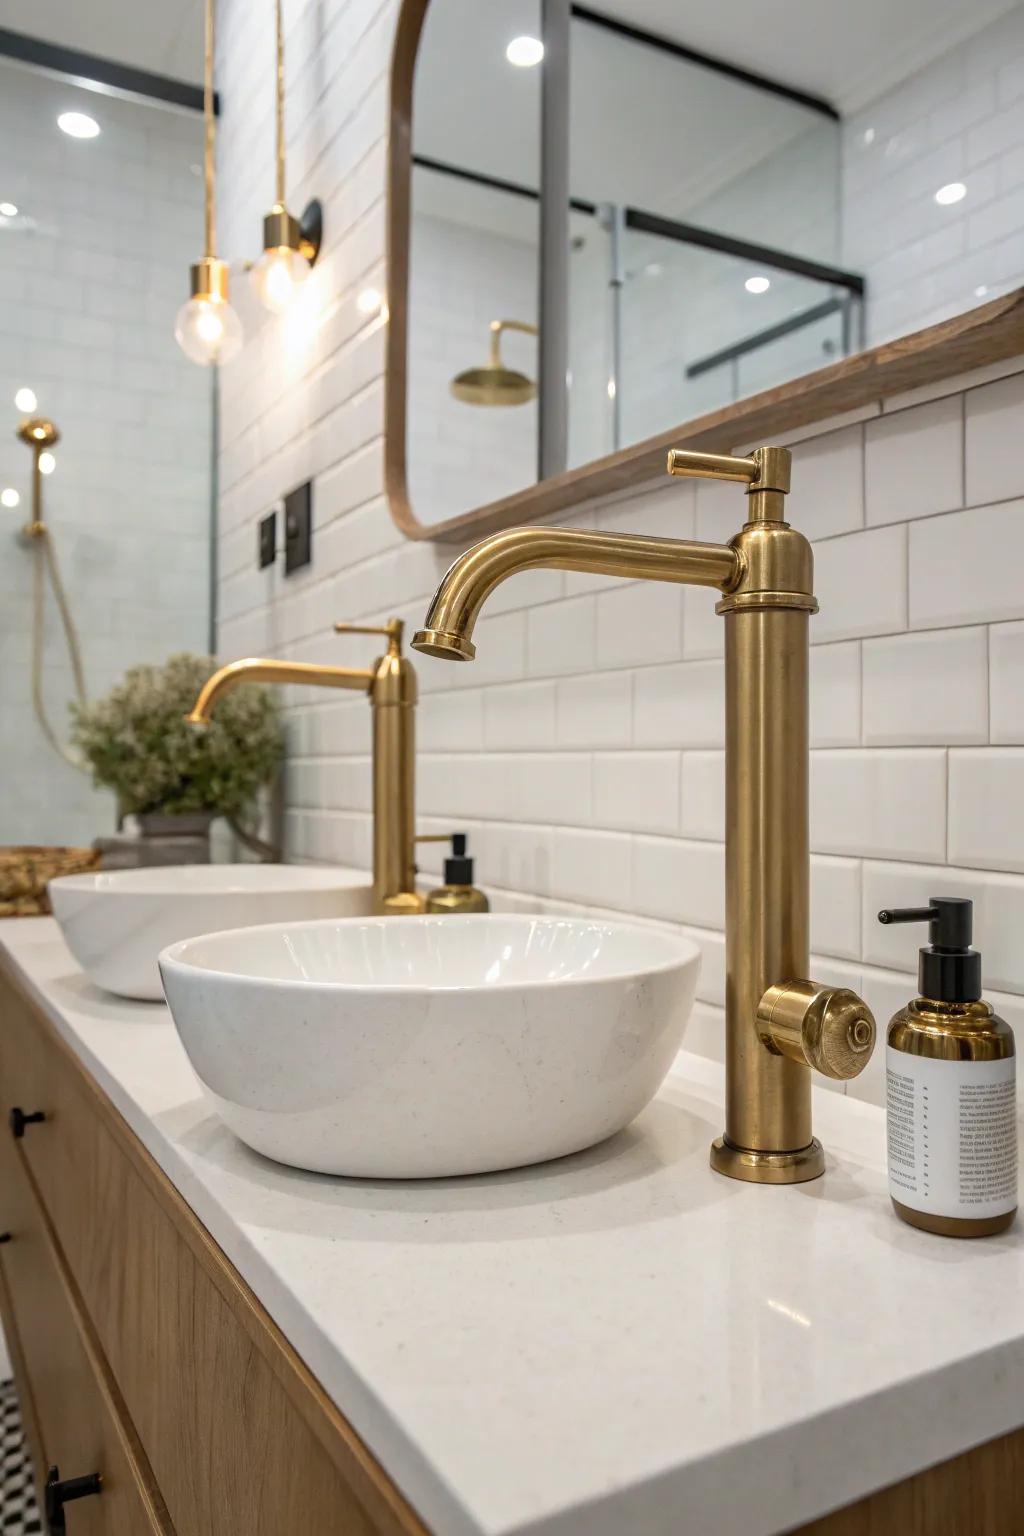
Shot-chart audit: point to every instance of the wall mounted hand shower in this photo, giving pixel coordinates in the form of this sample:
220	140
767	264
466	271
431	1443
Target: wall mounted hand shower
41	435
778	1023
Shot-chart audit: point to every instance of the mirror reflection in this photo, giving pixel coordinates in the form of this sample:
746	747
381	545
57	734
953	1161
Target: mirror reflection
106	429
741	207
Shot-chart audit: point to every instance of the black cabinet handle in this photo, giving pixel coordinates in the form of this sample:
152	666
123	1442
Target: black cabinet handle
5	1237
59	1492
17	1119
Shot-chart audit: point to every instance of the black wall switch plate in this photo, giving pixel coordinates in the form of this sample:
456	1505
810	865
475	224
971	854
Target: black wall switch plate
298	528
267	540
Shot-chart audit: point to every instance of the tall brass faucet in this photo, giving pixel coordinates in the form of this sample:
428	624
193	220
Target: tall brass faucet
778	1023
391	687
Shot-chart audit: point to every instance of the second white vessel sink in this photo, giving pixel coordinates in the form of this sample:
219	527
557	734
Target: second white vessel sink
416	1047
116	923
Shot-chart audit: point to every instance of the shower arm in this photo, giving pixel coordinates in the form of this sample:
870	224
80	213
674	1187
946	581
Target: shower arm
498	327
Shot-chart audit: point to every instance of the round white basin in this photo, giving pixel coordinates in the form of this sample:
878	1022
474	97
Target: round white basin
418	1047
116	924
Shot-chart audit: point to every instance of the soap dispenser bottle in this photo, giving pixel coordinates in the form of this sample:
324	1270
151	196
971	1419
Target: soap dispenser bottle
458	894
950	1088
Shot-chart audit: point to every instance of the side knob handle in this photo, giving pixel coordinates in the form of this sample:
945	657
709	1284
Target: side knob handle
828	1028
60	1491
18	1120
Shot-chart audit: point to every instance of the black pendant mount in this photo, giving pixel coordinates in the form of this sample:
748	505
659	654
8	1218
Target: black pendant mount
311	230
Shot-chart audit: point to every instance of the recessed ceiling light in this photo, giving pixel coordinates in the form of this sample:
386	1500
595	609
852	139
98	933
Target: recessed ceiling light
77	125
869	135
525	52
369	301
612	391
25	399
952	192
981	290
47	463
757	284
653	269
9	497
9	210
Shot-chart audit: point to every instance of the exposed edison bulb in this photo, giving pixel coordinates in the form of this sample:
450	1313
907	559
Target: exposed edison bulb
208	331
277	277
25	400
47	463
9	497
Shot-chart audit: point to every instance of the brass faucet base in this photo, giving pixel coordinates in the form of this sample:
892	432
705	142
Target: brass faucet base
768	1167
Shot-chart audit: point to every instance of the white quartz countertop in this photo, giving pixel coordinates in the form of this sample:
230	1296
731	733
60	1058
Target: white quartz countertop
619	1342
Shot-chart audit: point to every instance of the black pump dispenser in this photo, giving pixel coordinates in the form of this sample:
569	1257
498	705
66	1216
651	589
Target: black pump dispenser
948	970
458	869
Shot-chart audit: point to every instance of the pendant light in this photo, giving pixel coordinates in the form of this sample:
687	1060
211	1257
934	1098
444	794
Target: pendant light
290	245
207	329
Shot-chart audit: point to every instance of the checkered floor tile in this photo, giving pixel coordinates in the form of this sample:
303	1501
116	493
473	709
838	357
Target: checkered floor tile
19	1513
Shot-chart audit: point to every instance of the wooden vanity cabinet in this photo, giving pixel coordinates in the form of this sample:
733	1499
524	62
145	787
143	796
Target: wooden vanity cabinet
139	1351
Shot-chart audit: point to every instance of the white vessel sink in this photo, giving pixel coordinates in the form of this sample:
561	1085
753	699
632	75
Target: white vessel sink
418	1047
116	924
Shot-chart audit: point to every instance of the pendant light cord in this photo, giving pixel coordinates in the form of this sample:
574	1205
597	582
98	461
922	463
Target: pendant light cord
208	165
280	104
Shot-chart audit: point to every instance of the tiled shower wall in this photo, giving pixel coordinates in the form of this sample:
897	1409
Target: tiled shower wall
91	276
583	749
959	119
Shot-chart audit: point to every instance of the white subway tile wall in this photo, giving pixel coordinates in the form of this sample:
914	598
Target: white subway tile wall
582	750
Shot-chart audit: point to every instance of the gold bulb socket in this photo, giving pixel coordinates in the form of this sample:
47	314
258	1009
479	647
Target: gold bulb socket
280	228
209	279
828	1028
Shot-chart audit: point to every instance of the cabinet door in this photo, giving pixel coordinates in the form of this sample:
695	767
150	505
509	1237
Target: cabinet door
82	1425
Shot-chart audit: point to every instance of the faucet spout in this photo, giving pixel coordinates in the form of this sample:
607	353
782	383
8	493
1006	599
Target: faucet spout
448	630
255	669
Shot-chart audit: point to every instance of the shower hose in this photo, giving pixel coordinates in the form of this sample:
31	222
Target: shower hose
45	565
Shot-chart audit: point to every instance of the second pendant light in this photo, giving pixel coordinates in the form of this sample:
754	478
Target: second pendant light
290	246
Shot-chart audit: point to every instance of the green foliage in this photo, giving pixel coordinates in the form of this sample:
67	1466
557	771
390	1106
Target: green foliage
138	744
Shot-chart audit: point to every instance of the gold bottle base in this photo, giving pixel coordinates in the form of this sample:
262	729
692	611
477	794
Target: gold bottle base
768	1167
955	1226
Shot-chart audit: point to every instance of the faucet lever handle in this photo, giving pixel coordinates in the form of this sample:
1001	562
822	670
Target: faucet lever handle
767	469
393	630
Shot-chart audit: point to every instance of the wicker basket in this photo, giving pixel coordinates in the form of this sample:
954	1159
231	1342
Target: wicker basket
24	873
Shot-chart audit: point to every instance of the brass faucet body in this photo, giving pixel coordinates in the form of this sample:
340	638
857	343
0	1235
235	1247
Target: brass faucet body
778	1023
390	685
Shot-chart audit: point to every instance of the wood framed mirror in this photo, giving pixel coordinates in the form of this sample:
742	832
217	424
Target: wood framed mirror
709	307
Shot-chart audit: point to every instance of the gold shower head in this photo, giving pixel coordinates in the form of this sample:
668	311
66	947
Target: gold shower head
494	384
38	432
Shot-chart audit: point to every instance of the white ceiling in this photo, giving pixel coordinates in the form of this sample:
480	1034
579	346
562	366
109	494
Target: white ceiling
162	36
847	52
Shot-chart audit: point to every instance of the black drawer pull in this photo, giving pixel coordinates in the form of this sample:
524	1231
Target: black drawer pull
5	1237
17	1119
59	1492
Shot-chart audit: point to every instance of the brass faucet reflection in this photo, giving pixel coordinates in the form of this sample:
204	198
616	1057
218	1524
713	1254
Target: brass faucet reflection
390	685
778	1023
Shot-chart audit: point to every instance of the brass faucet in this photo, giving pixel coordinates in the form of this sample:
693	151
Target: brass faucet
390	685
778	1023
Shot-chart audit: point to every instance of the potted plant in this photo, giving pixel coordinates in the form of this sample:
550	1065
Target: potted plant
173	779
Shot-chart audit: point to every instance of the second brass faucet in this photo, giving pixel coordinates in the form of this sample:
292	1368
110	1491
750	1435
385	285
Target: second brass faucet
390	685
778	1022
